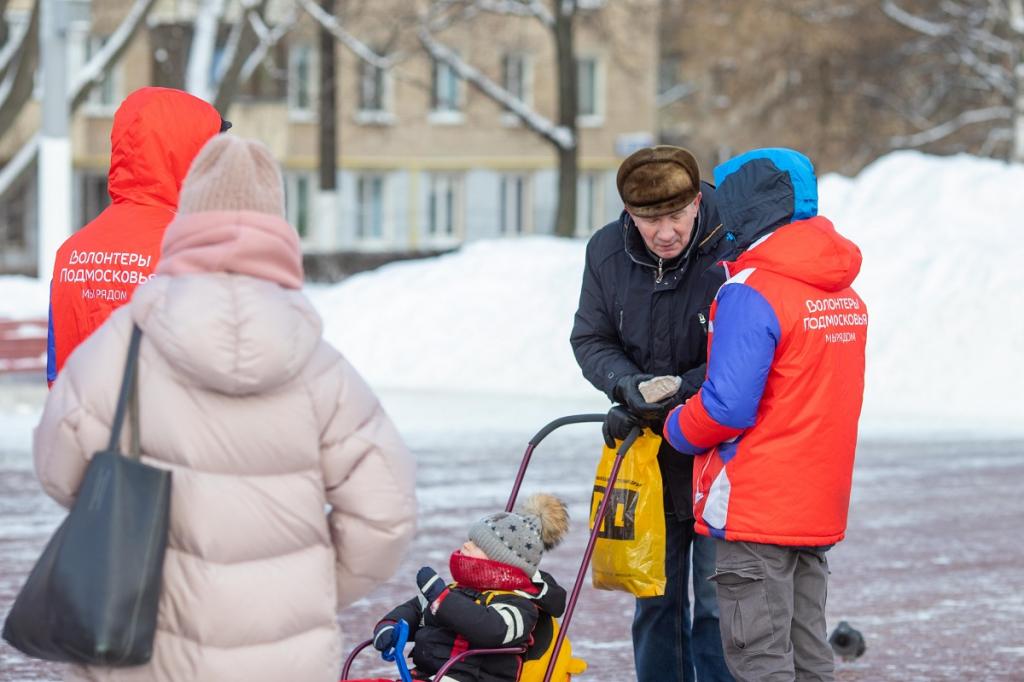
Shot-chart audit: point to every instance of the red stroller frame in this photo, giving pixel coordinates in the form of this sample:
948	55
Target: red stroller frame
588	553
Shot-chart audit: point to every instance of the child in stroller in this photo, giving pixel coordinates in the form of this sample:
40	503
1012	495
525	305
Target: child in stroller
499	597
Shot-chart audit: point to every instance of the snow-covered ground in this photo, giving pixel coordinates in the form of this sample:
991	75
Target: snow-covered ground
487	327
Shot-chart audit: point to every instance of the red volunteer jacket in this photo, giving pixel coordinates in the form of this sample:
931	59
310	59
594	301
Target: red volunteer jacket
156	134
775	422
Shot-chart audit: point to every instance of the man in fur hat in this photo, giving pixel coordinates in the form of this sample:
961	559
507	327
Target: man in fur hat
648	284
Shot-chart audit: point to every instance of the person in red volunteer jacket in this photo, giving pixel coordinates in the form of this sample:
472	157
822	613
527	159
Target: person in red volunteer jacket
774	425
156	134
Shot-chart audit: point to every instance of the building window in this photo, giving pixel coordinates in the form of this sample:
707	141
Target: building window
370	207
589	203
513	204
515	78
92	196
371	87
301	80
513	75
374	95
105	96
444	207
446	93
588	83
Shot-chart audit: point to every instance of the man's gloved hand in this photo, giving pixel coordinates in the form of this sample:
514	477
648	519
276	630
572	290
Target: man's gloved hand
627	392
384	635
617	424
653	414
430	583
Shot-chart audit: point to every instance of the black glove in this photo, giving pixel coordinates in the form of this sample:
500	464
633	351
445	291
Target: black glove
627	392
617	424
384	636
430	583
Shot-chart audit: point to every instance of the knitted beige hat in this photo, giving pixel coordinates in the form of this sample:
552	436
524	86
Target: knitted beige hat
233	174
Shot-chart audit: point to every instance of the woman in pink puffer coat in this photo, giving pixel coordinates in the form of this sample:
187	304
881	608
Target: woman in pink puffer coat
292	493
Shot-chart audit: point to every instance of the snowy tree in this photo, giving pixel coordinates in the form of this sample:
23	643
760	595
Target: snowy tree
969	60
19	56
89	75
429	20
245	46
559	19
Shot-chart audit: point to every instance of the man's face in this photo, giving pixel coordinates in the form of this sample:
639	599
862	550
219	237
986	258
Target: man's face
667	235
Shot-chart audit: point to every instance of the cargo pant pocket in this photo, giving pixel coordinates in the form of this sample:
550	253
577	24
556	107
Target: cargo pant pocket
745	617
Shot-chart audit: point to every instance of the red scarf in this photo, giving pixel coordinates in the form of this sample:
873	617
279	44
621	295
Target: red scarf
485	574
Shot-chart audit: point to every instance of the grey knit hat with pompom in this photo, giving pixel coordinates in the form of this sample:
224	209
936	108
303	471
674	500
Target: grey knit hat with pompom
520	538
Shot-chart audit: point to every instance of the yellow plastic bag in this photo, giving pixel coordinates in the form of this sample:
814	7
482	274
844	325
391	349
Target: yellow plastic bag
630	551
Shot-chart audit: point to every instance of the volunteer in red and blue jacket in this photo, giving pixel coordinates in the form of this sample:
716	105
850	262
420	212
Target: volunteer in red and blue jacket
156	134
774	425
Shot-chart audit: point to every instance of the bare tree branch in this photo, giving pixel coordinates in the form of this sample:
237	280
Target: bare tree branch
16	86
521	8
13	45
241	43
18	165
914	22
559	136
995	137
993	74
356	46
204	42
88	76
949	127
92	73
1017	16
674	94
269	37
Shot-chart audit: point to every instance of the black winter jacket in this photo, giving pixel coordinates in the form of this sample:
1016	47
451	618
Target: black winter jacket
509	620
638	314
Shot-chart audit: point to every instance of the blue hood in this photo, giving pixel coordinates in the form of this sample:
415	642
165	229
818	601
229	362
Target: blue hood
765	189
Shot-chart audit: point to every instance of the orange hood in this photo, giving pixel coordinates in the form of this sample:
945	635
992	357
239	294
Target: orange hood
156	134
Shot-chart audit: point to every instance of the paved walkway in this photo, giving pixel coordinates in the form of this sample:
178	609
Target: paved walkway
930	571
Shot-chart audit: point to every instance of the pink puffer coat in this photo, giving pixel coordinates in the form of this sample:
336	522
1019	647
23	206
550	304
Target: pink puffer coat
293	494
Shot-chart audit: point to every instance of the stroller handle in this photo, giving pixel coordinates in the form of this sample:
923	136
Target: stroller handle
541	435
624	447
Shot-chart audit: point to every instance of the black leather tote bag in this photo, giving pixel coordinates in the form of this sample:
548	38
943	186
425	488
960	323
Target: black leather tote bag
92	596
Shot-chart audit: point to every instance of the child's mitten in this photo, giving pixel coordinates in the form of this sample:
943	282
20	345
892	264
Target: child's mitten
430	583
384	635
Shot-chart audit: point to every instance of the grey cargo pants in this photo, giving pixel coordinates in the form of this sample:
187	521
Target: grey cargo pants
772	612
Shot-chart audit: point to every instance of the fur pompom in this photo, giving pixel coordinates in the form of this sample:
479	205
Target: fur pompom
553	515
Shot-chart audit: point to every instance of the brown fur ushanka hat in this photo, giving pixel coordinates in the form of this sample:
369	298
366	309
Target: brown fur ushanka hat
654	181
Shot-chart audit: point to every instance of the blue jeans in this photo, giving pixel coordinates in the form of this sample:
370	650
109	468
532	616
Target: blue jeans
662	646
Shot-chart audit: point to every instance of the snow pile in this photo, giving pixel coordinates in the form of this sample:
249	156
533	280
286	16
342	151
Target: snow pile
944	287
493	317
941	278
23	298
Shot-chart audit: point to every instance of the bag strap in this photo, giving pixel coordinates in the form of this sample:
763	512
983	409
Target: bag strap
134	445
128	388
